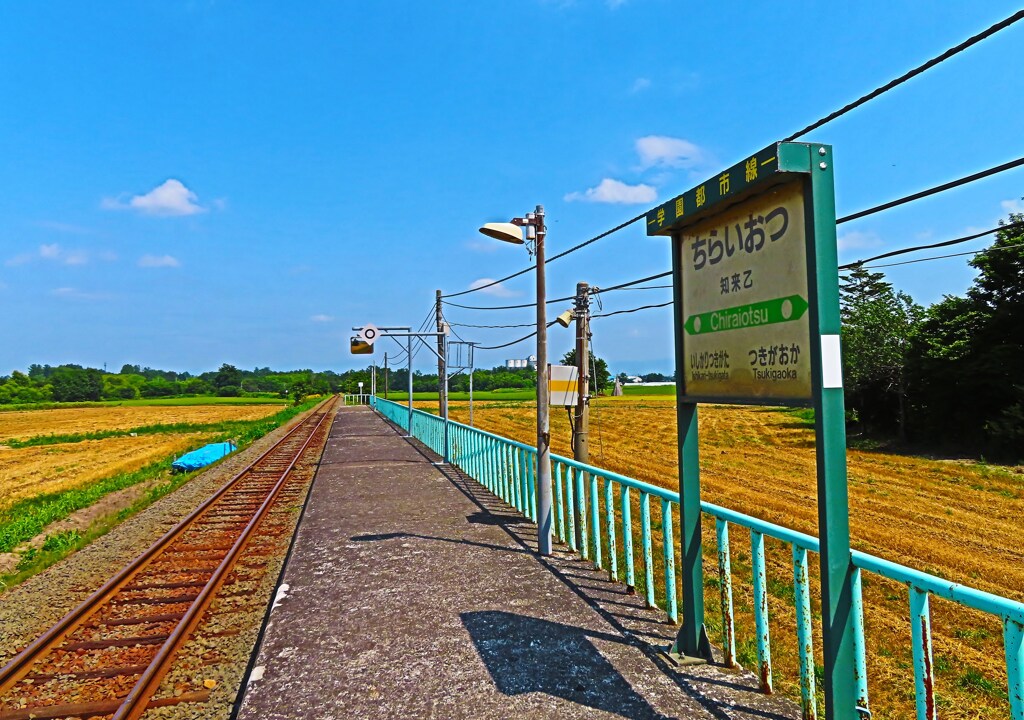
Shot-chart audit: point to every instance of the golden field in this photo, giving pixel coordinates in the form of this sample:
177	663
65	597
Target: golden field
31	471
20	425
961	521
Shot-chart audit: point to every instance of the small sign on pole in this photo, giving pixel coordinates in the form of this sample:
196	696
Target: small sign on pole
369	334
563	385
360	347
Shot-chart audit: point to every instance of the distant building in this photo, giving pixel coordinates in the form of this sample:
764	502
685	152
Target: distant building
530	362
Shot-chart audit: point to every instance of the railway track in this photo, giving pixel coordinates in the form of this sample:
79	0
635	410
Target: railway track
109	656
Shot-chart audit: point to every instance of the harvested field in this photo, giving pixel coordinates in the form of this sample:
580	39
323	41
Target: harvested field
961	521
31	471
20	425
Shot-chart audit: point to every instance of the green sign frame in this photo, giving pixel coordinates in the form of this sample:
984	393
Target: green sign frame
810	166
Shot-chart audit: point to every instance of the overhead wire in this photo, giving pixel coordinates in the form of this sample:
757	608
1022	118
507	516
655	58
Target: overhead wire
631	310
932	246
942	257
932	191
508	307
956	49
505	345
562	254
973	40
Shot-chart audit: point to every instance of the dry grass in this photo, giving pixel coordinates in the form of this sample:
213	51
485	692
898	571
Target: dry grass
65	421
28	472
960	521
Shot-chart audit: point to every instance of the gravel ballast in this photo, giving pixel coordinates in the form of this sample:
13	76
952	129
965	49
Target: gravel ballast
28	610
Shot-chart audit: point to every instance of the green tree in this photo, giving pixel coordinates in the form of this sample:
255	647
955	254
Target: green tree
965	387
601	378
227	375
877	326
76	384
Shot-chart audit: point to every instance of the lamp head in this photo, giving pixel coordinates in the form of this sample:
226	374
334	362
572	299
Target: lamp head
565	318
504	231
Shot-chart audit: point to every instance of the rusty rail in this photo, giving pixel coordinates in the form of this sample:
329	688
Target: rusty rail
139	698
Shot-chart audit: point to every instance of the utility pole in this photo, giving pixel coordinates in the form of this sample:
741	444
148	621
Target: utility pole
442	372
581	419
385	376
442	385
544	513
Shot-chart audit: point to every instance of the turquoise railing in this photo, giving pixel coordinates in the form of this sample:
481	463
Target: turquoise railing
585	503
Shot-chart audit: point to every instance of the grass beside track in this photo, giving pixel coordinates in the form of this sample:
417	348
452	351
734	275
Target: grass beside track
29	518
182	400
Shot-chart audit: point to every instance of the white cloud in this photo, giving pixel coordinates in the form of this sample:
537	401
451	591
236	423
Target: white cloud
321	318
170	198
639	85
615	191
663	151
71	293
613	4
64	227
498	290
52	252
1012	206
21	259
858	241
158	261
482	246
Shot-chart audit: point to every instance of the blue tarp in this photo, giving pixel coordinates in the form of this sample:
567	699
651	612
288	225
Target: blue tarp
203	456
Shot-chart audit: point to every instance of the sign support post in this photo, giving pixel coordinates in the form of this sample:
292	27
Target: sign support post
692	640
830	441
756	295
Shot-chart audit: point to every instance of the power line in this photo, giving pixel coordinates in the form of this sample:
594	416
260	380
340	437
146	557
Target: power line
621	286
492	327
942	257
913	73
596	290
524	337
562	254
932	191
648	287
956	241
973	40
633	310
508	307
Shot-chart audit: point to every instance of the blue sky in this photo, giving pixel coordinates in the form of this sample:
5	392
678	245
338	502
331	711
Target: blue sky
191	183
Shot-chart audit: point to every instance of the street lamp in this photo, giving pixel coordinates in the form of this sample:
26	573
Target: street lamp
535	232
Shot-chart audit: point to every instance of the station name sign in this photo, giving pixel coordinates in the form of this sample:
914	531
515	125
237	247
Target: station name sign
742	243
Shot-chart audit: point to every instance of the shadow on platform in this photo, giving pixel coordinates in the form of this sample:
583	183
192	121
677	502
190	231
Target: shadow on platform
527	655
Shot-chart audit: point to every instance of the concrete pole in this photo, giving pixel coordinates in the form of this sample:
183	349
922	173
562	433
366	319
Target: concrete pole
442	399
442	372
385	376
471	360
581	426
581	417
408	350
544	514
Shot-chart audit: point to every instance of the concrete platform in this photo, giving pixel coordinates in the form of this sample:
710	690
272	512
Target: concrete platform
412	592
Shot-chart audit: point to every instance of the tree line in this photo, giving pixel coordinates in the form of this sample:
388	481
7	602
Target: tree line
75	383
946	377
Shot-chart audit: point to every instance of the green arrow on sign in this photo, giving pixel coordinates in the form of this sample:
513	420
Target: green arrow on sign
766	312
